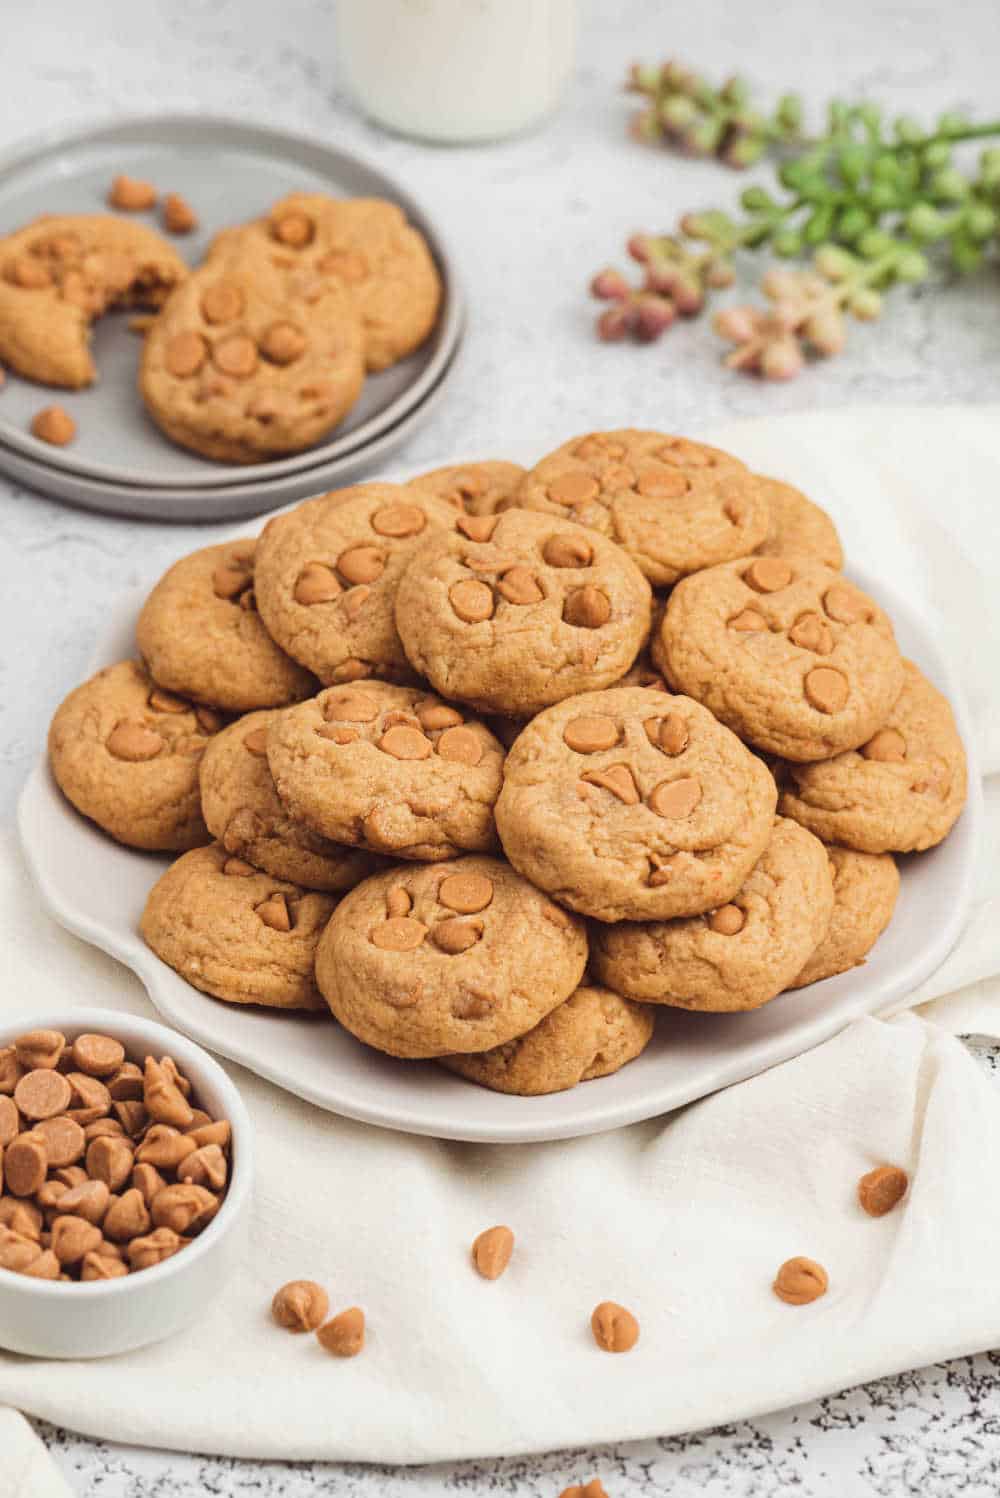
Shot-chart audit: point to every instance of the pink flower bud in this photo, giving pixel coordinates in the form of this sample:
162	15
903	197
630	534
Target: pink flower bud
825	331
653	316
780	285
610	285
616	322
746	357
688	296
737	324
638	247
781	359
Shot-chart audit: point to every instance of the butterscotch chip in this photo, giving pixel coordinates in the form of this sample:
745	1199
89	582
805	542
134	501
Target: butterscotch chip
477	489
800	1281
828	690
568	551
457	935
406	743
615	1329
72	1237
99	1055
178	215
63	1140
25	1164
21	1217
222	302
847	605
45	1267
472	601
89	1095
477	527
164	1101
186	1208
206	1167
39	1049
127	1217
466	893
10	1121
399	520
293	229
42	1094
316	583
748	621
344	1336
768	574
131	195
592	1489
132	1116
90	1200
888	746
274	913
619	780
572	488
153	1248
283	343
10	1071
236	356
520	586
398	934
126	1084
16	1253
31	274
882	1189
811	633
675	798
103	1128
491	1252
587	608
185	354
462	746
54	425
300	1306
164	1147
110	1160
727	920
101	1266
590	735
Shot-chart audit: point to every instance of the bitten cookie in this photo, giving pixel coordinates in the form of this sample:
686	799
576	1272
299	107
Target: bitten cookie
62	272
797	527
865	886
236	933
594	1033
126	753
476	488
361	246
242	810
787	652
428	960
741	954
328	571
676	506
632	804
513	612
900	792
390	769
237	368
200	633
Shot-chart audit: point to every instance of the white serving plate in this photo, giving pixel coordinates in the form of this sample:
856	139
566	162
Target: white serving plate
97	890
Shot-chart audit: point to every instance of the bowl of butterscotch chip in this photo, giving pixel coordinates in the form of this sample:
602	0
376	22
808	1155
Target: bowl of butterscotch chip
126	1161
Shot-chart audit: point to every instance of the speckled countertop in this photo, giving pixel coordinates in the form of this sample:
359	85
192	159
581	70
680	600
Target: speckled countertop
529	220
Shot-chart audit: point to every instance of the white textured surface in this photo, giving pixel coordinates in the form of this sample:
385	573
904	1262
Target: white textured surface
530	220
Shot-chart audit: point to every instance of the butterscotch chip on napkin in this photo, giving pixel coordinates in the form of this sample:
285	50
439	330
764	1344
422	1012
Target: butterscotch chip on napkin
615	1329
344	1335
126	754
798	527
476	488
739	955
200	634
882	1189
901	791
300	1306
429	959
800	1281
235	932
491	1251
391	769
242	809
674	505
631	804
865	886
787	652
593	1034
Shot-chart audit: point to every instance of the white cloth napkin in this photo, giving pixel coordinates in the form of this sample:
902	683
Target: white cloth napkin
683	1219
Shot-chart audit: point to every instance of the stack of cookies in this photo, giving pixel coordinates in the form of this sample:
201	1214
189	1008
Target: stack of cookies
495	763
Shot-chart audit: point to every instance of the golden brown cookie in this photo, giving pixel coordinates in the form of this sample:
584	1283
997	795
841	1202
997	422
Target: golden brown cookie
236	933
242	810
676	506
594	1033
516	611
429	959
631	804
900	792
363	247
62	272
787	652
798	527
126	753
476	488
865	886
239	369
200	634
742	953
327	574
388	768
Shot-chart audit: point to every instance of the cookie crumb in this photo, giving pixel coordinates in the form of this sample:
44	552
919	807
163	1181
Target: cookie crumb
882	1189
800	1281
54	425
178	215
131	195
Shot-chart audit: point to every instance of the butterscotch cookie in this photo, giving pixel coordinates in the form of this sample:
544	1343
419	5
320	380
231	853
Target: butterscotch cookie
594	1033
427	960
239	369
797	527
786	651
200	634
865	886
631	804
676	506
742	953
327	575
62	272
900	792
516	611
126	753
236	933
388	768
476	488
243	811
363	247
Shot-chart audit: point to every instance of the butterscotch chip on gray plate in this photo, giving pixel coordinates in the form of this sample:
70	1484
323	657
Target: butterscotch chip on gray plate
476	488
429	959
126	753
235	932
865	886
633	804
739	955
798	527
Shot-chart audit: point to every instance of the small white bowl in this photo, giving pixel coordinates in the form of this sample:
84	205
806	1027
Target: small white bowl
96	1318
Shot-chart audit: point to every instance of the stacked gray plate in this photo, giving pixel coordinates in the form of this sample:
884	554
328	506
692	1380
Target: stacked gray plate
120	462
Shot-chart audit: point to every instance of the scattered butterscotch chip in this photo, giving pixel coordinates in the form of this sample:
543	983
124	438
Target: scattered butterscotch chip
615	1329
131	195
178	215
300	1306
491	1252
799	1281
882	1189
344	1336
592	1489
53	425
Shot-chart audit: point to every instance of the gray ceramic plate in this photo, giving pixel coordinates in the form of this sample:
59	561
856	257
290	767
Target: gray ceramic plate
229	172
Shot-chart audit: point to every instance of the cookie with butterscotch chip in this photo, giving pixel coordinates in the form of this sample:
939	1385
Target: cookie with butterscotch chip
236	933
238	368
787	652
388	768
62	272
865	886
798	527
633	804
900	791
200	634
513	612
593	1034
126	753
476	488
739	955
430	959
675	506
